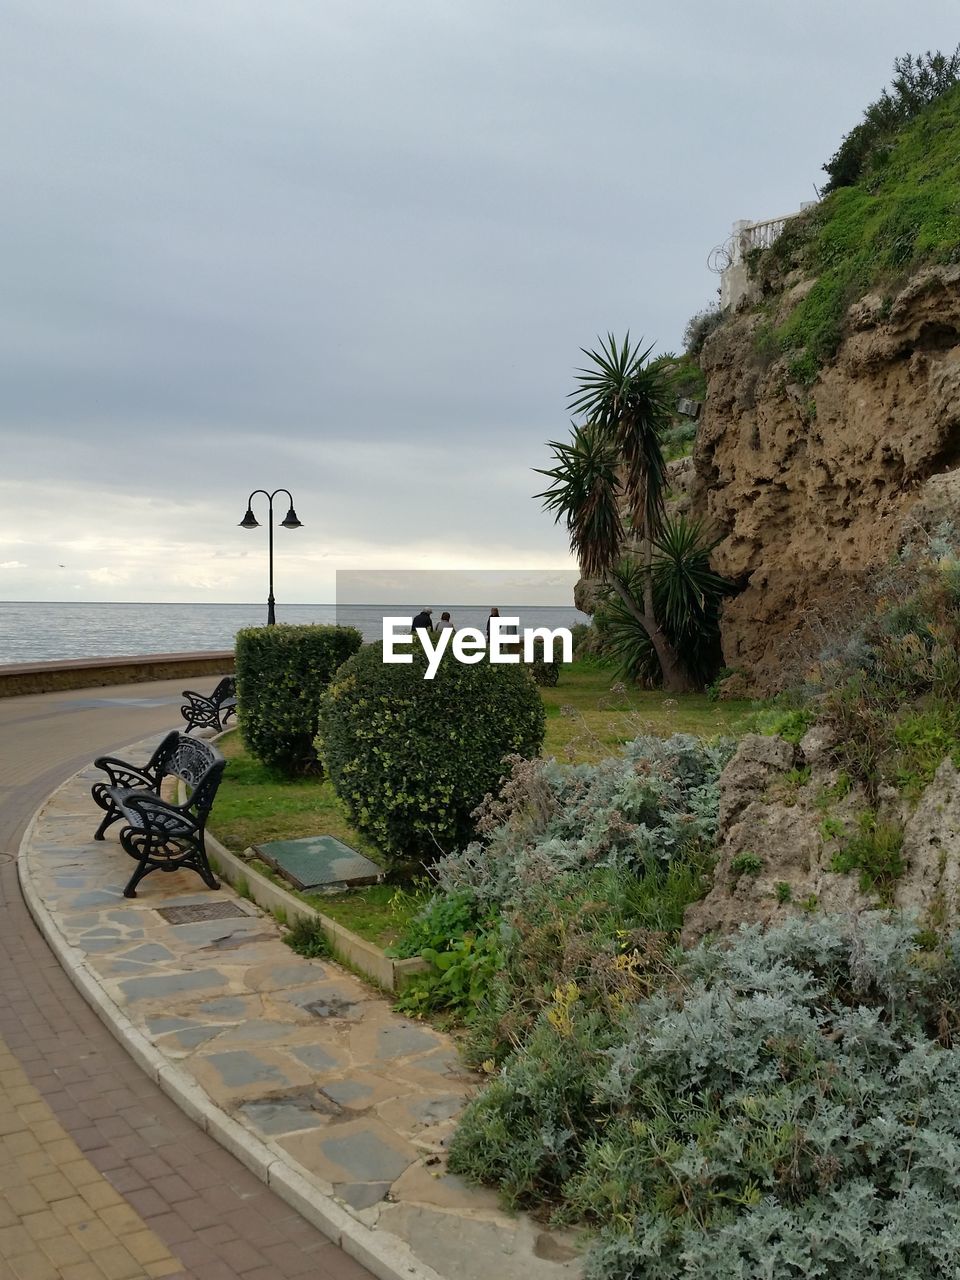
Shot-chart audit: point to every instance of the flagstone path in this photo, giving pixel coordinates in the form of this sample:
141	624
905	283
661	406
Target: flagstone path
301	1068
96	1163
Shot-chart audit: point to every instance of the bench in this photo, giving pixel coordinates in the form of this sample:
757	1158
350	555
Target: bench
160	834
201	712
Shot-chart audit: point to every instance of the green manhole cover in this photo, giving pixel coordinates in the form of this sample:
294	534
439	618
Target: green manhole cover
318	862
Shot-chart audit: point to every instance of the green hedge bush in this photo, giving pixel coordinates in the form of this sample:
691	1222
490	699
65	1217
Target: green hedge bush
282	672
412	758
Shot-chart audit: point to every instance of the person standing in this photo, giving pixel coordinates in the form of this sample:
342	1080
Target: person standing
509	634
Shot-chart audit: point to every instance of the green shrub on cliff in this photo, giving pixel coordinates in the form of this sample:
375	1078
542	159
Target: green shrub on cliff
900	215
918	81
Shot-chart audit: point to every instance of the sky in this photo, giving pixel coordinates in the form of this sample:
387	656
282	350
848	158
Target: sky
354	249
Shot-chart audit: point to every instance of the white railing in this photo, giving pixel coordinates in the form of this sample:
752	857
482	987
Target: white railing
727	259
759	235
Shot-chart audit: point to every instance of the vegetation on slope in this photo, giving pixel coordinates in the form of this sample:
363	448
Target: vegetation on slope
902	214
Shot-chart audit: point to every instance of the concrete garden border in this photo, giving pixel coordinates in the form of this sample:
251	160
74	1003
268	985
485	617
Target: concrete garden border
357	953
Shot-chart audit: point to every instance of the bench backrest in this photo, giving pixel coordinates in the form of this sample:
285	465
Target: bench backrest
227	688
197	763
191	759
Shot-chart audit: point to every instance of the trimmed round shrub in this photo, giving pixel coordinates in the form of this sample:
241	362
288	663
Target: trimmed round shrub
412	758
545	673
282	672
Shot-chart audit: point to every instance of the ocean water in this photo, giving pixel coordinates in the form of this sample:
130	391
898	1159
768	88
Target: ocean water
34	632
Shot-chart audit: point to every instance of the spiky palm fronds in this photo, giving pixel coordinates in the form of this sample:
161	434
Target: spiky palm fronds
687	590
585	494
687	596
630	401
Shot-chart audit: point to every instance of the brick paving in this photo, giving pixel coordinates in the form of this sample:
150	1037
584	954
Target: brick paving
58	1215
152	1174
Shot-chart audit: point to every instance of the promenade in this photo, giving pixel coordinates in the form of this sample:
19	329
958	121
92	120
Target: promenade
108	1163
102	1176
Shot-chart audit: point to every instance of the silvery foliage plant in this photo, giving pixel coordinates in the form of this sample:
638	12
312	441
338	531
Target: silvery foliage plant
659	798
804	1097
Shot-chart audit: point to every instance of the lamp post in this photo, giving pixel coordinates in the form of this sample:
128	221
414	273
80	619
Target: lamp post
289	521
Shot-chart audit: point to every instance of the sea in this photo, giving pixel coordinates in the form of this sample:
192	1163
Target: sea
52	631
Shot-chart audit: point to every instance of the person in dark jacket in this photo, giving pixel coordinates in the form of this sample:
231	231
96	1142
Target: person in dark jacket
424	620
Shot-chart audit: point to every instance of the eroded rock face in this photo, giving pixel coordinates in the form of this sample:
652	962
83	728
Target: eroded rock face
777	849
813	488
930	885
758	760
775	859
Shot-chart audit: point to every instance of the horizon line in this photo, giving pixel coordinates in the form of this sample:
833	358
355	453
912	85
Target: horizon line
298	604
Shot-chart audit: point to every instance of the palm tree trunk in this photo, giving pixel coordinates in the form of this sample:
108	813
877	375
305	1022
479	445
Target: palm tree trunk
648	568
676	678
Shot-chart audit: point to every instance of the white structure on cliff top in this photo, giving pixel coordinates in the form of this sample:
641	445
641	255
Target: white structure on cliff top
728	260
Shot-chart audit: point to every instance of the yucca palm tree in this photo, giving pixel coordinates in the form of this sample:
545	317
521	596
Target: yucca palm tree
687	597
612	474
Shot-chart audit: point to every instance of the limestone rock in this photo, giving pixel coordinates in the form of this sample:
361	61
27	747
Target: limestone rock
586	594
816	744
748	773
809	488
938	504
775	859
735	687
793	295
931	850
681	477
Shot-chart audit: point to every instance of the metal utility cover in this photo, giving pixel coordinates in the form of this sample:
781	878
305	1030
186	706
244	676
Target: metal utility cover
191	912
318	862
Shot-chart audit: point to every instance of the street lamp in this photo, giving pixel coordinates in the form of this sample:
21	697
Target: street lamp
289	521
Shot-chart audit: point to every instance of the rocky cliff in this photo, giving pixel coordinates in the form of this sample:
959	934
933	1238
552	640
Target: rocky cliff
784	820
813	487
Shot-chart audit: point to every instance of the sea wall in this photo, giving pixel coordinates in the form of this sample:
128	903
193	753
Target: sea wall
91	673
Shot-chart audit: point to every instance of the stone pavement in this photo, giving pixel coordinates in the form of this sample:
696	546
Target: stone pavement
301	1068
70	1095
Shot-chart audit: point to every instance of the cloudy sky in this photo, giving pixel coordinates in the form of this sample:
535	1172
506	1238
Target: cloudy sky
353	248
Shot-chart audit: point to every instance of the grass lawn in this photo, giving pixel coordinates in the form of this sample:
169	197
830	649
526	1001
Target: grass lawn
253	806
586	720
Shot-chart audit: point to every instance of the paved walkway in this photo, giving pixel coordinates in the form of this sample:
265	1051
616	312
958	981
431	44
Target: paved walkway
301	1068
101	1174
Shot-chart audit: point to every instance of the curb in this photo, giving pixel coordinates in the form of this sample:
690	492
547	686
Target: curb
382	1253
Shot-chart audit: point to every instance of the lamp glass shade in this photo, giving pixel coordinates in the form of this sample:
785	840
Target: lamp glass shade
290	520
249	521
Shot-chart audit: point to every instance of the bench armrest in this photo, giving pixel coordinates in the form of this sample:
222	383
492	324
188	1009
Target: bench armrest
199	699
123	774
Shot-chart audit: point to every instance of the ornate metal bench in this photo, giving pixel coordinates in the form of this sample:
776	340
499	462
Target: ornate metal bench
201	712
159	834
